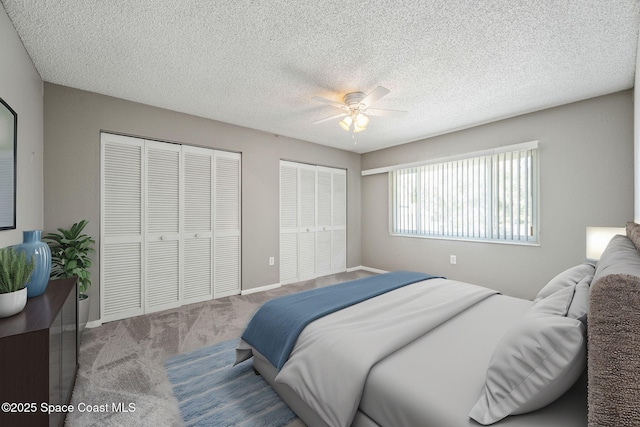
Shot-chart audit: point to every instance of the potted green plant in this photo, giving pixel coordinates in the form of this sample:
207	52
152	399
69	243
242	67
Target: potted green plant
15	271
70	251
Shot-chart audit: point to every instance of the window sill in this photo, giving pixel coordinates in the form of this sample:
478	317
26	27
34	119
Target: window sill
467	239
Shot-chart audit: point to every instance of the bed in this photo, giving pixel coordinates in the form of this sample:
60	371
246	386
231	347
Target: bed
438	352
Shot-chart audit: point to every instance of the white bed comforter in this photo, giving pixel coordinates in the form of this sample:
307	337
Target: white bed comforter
333	355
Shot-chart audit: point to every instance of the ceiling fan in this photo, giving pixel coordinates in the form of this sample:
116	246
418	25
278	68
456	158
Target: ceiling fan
356	109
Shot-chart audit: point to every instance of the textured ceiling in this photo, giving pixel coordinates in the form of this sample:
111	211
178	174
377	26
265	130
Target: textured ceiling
451	64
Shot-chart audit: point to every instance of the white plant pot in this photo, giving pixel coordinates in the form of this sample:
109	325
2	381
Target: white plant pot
13	302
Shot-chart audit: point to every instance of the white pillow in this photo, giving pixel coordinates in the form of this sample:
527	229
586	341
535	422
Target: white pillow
556	304
570	276
580	303
536	362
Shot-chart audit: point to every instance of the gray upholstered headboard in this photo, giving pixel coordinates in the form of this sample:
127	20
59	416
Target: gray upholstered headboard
614	335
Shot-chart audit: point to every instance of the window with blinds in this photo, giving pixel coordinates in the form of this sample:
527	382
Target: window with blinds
489	196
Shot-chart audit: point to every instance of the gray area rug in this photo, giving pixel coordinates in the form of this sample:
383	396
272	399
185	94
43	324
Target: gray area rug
212	392
123	361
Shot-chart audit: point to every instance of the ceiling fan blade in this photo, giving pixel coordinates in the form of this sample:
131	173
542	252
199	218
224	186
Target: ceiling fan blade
378	112
328	101
326	119
377	93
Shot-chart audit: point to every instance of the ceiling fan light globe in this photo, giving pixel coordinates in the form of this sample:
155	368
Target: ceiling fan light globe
362	120
346	123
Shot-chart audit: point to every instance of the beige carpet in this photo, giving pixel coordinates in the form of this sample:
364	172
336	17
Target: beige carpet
122	362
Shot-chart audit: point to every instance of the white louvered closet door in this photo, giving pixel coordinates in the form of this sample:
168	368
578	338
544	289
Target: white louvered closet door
227	217
198	224
288	222
313	221
170	230
121	244
324	226
339	221
307	221
163	216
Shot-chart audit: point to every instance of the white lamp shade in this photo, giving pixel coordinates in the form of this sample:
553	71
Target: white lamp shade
346	123
362	120
598	238
361	123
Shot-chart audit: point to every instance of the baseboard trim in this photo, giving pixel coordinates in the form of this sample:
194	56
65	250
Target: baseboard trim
94	324
259	289
362	267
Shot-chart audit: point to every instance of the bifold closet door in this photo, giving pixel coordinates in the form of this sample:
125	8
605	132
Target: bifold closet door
171	230
198	224
227	220
163	234
307	223
288	222
312	221
339	221
297	222
121	244
332	225
323	235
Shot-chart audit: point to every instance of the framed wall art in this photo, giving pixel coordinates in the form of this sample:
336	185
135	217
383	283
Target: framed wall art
8	147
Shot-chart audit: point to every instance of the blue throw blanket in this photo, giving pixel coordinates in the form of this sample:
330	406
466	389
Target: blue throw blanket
275	327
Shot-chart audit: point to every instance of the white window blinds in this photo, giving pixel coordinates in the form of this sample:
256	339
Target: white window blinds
486	197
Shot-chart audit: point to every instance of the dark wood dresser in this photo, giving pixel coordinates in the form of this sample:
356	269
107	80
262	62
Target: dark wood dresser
39	357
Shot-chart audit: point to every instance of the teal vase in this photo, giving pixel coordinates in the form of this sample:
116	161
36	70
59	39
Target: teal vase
33	246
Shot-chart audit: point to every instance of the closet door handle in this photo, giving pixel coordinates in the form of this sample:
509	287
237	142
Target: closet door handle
161	237
197	235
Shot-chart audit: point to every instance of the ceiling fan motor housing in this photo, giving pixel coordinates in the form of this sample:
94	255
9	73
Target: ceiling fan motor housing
354	99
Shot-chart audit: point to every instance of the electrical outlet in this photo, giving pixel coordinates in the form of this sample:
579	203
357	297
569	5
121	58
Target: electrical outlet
272	260
452	259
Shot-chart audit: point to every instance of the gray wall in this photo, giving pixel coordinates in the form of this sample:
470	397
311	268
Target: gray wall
636	137
586	179
21	88
74	118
